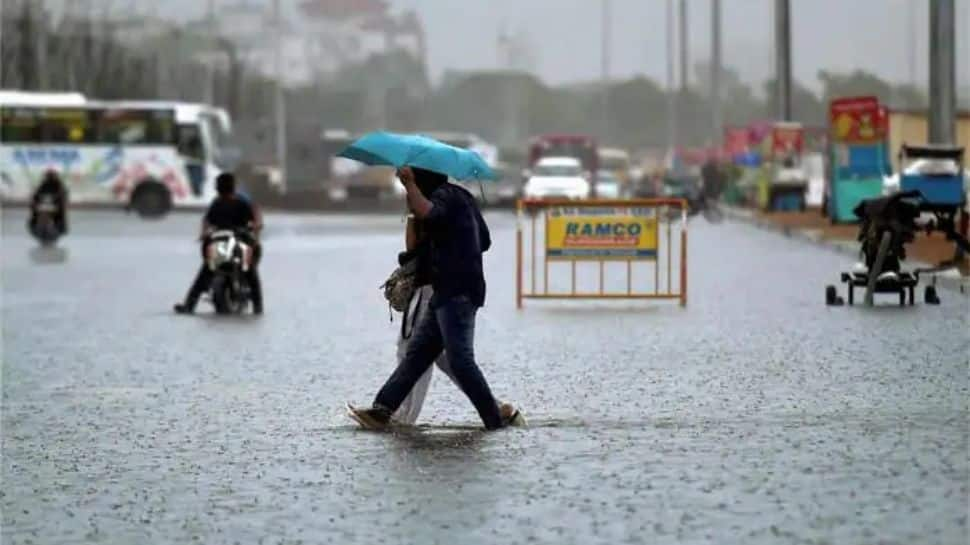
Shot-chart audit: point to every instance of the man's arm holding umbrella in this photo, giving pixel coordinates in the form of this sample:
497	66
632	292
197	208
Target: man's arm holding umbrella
417	202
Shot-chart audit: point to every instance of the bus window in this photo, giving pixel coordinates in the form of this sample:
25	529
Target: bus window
161	128
20	125
65	126
129	127
47	126
122	127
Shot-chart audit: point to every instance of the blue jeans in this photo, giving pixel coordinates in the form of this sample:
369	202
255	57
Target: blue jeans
451	327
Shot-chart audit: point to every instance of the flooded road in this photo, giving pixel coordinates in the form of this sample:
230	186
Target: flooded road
754	415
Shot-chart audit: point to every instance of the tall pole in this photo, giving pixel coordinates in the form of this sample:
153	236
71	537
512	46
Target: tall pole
783	59
911	42
942	72
717	122
41	44
684	58
671	80
605	69
210	73
280	98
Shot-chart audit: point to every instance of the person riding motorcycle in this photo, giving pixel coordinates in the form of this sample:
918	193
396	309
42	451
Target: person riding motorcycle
230	212
712	178
53	187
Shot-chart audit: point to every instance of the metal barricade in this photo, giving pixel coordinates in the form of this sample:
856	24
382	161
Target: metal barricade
636	233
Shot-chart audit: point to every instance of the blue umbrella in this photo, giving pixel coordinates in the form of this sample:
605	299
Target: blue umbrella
415	150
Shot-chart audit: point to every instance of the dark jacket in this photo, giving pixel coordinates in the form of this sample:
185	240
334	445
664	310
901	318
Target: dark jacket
458	235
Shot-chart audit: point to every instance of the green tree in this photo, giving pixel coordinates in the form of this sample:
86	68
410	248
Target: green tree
638	113
807	107
856	83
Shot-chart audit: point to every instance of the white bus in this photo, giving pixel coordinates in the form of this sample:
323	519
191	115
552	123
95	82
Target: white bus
146	155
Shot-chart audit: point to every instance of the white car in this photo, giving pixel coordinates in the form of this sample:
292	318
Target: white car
557	177
607	185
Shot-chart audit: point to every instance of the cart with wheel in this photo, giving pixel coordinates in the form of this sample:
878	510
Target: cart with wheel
887	225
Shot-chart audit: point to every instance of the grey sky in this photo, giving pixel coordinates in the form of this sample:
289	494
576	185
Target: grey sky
827	34
840	35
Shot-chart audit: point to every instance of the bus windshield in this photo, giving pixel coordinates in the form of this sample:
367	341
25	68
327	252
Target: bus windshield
219	133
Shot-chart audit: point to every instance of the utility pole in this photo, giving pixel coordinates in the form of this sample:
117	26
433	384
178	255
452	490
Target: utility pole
911	42
280	96
210	73
717	122
783	59
942	72
605	36
684	58
41	44
671	80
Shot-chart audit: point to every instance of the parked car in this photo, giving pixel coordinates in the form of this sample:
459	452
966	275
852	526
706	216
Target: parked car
557	177
609	186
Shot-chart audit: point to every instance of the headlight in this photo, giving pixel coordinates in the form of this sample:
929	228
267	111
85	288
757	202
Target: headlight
223	250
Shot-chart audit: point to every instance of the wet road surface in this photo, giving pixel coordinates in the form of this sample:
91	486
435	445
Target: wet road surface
755	415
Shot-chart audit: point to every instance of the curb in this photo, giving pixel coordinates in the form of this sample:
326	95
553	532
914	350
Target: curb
844	247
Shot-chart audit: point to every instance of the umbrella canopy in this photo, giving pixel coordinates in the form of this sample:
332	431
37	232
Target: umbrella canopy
414	150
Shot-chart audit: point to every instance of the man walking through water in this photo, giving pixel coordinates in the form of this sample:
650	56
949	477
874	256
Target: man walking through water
458	236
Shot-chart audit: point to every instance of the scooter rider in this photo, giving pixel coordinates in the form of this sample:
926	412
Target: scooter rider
231	212
51	185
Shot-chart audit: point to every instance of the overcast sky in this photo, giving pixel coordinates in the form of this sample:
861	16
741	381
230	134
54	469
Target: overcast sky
876	35
827	34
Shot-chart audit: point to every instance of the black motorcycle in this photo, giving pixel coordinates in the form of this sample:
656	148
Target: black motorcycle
229	257
698	201
44	225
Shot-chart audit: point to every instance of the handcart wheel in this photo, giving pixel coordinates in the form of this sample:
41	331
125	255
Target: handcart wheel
831	296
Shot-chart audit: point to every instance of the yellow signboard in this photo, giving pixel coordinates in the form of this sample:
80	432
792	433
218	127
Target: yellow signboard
601	233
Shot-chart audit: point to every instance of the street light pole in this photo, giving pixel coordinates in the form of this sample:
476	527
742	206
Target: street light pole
911	42
783	59
605	69
41	43
671	83
210	73
716	120
684	74
942	72
280	97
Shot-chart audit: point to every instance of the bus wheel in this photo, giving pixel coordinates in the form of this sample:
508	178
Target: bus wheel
151	199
